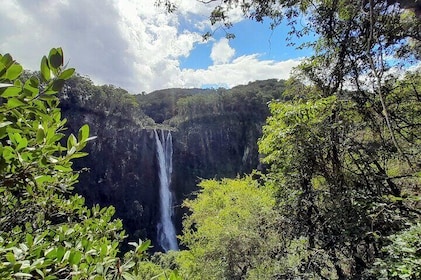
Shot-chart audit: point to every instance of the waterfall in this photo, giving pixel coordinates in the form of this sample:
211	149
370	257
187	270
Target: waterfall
166	231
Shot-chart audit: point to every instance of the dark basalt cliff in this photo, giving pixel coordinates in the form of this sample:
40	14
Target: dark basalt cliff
120	170
215	135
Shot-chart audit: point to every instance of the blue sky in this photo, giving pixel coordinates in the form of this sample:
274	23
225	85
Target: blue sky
250	38
137	46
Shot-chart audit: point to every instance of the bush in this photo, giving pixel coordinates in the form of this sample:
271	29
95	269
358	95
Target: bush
45	231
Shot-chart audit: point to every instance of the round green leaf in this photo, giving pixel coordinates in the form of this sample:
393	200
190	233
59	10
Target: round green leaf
55	58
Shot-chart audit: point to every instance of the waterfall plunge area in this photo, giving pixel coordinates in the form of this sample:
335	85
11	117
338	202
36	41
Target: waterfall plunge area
166	231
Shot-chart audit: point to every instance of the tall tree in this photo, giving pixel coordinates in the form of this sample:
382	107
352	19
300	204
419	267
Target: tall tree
345	154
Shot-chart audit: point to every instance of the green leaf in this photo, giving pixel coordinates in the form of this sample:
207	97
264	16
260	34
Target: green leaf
45	69
129	265
11	92
52	254
66	74
48	97
66	255
8	153
79	155
43	178
60	253
77	256
6	59
60	51
71	141
40	273
30	190
40	135
14	102
16	137
128	276
99	268
31	87
83	133
17	83
104	250
55	58
10	257
58	84
14	71
144	246
34	82
23	143
63	168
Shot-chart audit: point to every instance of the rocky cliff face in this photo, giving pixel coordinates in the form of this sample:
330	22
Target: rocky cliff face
121	170
122	162
212	148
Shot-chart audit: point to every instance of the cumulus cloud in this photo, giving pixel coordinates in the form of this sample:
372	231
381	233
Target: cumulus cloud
241	71
129	43
222	52
86	30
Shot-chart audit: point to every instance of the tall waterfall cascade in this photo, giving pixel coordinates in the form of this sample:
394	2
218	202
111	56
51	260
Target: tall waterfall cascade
166	231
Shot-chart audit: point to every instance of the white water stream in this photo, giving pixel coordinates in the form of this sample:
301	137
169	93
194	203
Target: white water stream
166	231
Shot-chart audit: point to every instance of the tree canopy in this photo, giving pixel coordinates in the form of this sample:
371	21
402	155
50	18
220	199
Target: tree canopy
343	155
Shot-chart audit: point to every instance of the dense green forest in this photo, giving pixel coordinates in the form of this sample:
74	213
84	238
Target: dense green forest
339	197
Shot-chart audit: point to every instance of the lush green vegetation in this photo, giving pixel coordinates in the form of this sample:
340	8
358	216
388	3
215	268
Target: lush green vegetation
342	156
339	197
46	232
321	211
79	93
247	100
172	106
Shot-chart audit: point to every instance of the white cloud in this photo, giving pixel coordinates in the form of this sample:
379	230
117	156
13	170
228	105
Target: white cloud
129	43
222	52
155	43
241	71
86	30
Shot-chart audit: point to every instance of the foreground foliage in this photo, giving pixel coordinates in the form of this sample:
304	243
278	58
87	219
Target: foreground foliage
45	231
346	187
